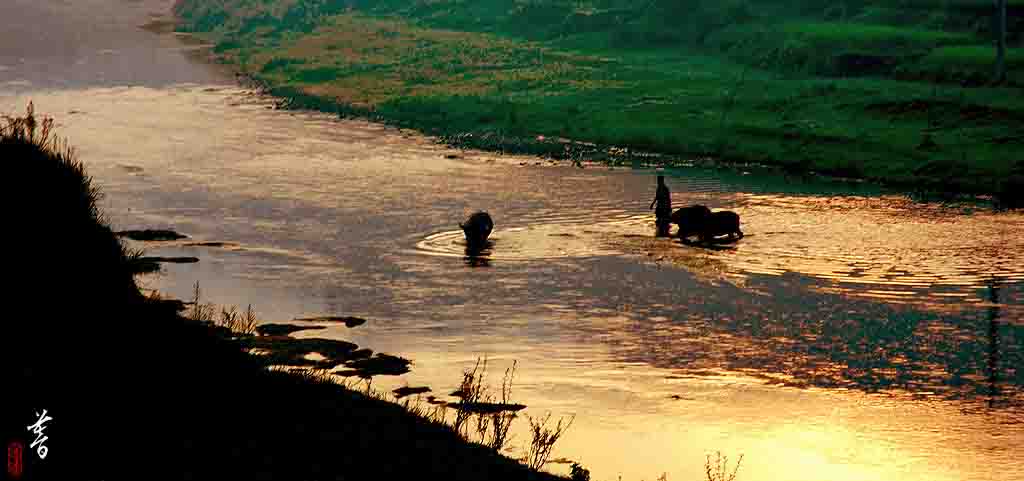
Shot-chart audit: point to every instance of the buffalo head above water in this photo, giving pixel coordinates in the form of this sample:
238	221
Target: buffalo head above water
477	228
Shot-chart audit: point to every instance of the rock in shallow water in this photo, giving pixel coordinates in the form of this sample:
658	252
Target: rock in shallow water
151	235
349	321
409	391
282	329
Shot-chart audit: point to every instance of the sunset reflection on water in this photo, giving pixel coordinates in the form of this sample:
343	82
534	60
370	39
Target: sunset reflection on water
855	336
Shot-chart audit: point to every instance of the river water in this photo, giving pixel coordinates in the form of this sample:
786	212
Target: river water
853	334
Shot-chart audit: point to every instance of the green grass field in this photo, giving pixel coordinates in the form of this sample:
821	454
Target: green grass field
748	81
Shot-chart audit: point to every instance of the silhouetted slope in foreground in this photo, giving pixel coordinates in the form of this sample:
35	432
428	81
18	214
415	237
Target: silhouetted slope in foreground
135	391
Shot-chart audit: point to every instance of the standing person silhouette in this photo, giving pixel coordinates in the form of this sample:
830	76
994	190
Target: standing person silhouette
664	211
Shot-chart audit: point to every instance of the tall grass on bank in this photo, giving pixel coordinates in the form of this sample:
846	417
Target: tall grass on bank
543	439
242	323
718	469
37	133
470	391
502	420
492	425
54	204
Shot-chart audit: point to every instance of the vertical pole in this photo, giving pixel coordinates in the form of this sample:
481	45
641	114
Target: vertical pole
1000	41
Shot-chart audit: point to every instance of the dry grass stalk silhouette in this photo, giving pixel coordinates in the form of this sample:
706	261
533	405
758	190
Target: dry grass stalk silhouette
242	323
718	470
543	439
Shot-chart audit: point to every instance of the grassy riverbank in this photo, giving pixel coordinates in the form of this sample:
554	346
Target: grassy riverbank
134	389
860	90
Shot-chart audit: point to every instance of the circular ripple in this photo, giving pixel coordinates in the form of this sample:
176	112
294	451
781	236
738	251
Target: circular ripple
540	241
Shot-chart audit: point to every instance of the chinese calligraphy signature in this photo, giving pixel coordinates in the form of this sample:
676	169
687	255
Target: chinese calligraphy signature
38	429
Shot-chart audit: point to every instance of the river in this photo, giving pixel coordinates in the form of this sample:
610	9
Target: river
853	334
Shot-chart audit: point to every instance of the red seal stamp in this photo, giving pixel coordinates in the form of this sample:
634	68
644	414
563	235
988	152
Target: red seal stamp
15	454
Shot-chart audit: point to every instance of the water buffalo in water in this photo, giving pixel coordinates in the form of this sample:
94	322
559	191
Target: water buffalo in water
699	220
477	227
721	223
690	219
